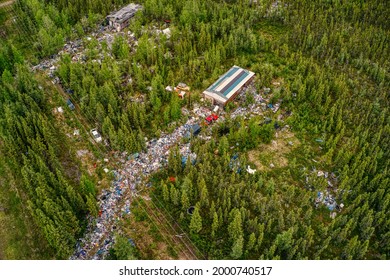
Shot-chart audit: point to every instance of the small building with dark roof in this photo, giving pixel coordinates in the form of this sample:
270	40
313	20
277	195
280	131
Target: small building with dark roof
228	86
193	130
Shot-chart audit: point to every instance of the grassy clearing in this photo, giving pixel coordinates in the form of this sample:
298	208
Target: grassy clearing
276	152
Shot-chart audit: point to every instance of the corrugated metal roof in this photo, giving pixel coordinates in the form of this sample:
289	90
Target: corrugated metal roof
229	83
125	13
223	78
234	82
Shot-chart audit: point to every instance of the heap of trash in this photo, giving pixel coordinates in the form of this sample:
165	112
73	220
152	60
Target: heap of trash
77	50
115	202
257	107
327	196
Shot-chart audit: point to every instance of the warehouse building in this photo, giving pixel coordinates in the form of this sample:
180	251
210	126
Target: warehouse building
228	86
120	19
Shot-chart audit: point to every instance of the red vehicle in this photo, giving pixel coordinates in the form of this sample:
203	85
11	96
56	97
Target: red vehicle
211	118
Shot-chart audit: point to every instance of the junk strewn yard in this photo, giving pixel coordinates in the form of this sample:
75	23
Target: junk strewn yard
115	202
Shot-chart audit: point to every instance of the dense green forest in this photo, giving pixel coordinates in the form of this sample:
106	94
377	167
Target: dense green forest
332	58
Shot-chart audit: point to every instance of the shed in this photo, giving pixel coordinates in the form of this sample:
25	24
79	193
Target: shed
195	129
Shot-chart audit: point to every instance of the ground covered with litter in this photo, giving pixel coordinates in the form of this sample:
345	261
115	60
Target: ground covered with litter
115	202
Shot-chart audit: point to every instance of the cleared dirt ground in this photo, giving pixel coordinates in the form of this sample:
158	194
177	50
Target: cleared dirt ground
274	153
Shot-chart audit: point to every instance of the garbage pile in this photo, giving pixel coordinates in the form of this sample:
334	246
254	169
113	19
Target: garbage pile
201	111
240	111
48	65
77	49
327	199
274	107
257	107
331	178
258	103
99	238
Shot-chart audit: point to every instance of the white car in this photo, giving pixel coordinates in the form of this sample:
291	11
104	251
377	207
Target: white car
96	136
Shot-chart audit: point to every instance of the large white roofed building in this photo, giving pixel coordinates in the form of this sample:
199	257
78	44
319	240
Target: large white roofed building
228	85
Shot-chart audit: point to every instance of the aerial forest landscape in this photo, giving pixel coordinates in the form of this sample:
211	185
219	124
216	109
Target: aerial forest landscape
194	130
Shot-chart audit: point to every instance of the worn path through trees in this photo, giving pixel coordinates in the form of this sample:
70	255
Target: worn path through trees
5	4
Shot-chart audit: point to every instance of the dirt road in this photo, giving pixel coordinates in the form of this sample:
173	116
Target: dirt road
5	4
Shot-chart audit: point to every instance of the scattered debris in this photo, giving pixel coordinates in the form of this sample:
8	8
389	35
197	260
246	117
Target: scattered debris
182	94
69	91
250	170
81	153
327	199
96	135
235	164
99	238
167	32
70	104
257	107
182	86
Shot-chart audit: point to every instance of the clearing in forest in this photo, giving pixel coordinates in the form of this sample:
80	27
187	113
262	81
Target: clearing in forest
273	155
